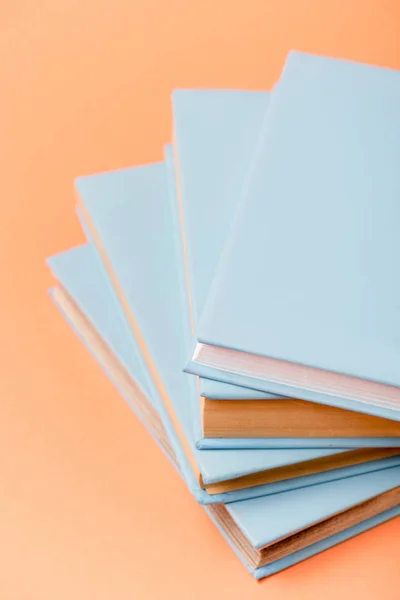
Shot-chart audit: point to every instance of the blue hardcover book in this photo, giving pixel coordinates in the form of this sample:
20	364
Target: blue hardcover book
215	133
133	219
305	298
268	533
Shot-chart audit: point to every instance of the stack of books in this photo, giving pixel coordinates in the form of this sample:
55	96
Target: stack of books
244	297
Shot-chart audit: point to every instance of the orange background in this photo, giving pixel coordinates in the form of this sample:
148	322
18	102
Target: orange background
84	87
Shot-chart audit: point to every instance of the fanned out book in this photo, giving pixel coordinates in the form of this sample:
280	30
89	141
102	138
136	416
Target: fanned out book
130	214
316	317
215	133
268	533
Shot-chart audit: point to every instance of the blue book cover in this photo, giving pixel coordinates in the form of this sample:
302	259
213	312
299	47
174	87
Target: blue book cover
275	531
197	130
215	133
305	298
133	213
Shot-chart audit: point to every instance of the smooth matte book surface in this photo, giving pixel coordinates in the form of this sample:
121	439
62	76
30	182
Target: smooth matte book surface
318	318
134	213
272	533
275	421
215	135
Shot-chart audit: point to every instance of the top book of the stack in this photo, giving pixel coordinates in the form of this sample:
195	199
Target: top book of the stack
305	301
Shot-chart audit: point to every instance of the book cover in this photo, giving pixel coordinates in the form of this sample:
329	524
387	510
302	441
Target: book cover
215	133
323	309
222	424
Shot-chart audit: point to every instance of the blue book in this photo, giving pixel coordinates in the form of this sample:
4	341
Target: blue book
133	222
304	302
268	533
215	133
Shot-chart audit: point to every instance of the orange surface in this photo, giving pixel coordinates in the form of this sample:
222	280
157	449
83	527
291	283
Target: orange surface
84	86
